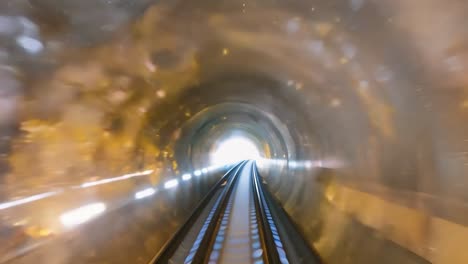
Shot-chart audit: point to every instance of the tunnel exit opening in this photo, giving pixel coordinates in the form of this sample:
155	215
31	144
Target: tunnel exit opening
234	149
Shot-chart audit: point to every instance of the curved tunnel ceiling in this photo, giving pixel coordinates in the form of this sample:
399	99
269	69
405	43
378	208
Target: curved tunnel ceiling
357	108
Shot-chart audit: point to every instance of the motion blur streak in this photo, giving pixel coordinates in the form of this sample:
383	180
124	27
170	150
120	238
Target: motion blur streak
120	178
26	200
82	214
355	112
145	193
186	177
171	184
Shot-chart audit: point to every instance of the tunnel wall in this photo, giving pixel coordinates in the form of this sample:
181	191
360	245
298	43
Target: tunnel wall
371	94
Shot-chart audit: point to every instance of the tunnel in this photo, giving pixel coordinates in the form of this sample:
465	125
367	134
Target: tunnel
119	118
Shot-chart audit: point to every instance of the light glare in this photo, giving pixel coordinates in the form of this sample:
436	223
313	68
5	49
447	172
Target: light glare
186	177
234	150
31	45
26	200
119	178
82	214
171	184
145	193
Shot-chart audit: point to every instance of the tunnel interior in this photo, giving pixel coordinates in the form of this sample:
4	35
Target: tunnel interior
131	112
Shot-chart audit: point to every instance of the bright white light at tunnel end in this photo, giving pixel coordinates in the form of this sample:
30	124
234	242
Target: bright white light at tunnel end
233	150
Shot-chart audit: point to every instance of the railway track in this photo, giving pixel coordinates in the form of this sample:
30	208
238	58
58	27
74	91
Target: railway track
238	222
